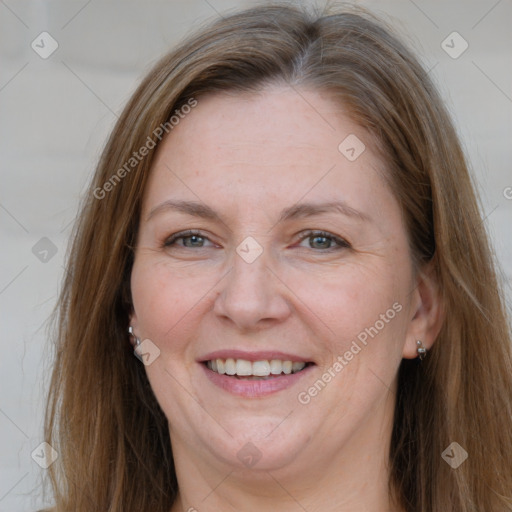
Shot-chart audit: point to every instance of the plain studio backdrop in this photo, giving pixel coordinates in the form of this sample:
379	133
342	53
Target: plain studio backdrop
68	68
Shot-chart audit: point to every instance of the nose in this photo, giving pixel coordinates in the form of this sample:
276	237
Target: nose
252	295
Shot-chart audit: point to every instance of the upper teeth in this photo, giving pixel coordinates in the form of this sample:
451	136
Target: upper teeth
243	367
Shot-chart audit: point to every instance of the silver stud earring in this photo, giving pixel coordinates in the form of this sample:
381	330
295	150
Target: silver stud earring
136	341
421	350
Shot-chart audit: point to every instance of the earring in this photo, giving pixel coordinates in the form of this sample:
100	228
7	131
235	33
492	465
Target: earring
136	341
421	350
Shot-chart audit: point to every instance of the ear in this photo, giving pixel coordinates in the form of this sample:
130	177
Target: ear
132	318
427	312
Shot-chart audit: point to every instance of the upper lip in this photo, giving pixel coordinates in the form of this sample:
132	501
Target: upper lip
260	355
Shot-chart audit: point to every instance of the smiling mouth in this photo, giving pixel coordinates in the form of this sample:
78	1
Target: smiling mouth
255	370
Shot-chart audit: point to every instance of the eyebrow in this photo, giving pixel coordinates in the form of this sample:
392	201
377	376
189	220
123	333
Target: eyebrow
296	211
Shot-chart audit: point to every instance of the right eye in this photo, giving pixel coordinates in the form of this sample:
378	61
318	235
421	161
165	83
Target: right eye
190	239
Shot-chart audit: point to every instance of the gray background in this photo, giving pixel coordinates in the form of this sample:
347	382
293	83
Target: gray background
57	112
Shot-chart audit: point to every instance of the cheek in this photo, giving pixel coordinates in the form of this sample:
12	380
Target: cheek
349	300
362	309
163	298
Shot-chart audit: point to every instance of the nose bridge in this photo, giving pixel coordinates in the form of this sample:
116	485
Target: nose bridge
251	292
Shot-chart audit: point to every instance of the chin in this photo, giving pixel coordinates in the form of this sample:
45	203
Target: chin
258	444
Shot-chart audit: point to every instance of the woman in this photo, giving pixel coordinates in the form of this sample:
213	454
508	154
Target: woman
283	226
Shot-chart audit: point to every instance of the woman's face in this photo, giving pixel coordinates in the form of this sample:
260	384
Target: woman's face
298	255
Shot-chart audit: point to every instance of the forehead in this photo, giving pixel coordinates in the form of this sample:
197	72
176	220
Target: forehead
282	143
268	122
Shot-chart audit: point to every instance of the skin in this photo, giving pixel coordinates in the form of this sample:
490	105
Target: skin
248	157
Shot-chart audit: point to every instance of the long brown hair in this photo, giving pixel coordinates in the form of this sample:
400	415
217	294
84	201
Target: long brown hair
102	417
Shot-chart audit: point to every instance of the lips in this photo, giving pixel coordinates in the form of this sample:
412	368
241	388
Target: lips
254	374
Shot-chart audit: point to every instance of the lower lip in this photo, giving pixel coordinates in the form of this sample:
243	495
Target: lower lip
254	388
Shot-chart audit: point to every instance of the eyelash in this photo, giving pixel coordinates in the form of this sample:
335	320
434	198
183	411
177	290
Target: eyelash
342	244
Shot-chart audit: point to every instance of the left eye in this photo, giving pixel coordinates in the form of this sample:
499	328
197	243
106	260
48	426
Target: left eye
324	240
190	239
